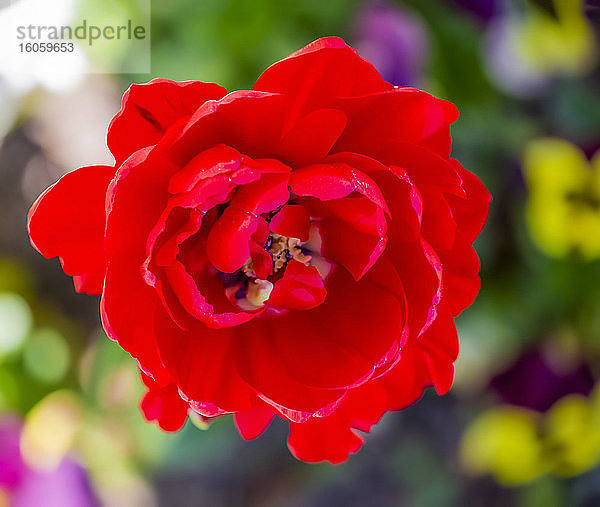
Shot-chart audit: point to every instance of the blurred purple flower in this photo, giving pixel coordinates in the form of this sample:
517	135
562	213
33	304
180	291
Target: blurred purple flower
505	62
591	147
12	467
536	383
394	40
483	9
592	10
65	486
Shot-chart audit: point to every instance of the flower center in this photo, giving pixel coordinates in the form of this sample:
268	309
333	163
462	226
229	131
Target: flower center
282	250
251	292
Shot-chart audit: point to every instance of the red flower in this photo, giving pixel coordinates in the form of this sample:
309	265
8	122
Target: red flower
299	249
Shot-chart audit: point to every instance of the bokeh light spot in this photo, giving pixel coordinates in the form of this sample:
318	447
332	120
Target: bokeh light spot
15	322
46	356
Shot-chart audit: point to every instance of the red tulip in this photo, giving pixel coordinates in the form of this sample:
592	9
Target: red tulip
299	249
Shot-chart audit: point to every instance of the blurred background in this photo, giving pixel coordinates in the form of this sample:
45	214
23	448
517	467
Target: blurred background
521	427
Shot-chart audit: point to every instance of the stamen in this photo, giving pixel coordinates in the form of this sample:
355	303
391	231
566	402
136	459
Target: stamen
284	249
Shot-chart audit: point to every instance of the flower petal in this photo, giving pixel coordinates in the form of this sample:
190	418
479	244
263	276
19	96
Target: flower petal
335	345
352	232
165	406
300	288
400	193
471	212
149	109
440	347
68	220
189	296
293	221
228	245
125	298
334	181
312	137
333	438
202	363
314	76
461	274
251	423
323	439
221	160
132	213
249	120
420	270
425	167
401	115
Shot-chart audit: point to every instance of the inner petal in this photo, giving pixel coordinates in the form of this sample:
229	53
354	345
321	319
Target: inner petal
228	244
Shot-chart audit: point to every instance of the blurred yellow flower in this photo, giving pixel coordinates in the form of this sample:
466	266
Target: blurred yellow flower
50	428
516	445
503	442
564	44
572	435
563	210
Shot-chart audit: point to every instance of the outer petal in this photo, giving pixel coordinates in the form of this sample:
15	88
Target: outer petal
291	399
127	309
324	348
133	212
461	264
317	74
131	215
323	439
67	221
249	120
251	423
425	168
421	271
439	345
332	438
201	362
401	115
312	137
149	109
164	405
470	213
461	275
